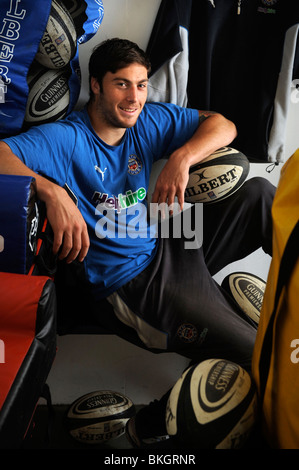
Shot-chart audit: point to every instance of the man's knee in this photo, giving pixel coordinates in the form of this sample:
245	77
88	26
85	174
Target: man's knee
257	188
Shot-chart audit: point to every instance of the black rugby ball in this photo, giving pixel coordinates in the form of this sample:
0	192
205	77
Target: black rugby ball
59	42
212	406
76	9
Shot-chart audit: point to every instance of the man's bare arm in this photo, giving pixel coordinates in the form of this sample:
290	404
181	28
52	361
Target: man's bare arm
70	231
214	132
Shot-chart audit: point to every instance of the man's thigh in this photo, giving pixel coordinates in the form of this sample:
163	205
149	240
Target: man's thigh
238	225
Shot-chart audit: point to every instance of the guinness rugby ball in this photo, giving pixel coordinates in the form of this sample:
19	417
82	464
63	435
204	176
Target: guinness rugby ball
248	291
99	416
212	406
49	95
217	176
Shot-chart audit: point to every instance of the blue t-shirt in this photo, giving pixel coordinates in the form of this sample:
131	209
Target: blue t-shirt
110	183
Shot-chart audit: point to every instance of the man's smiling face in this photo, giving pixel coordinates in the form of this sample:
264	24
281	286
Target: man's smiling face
122	96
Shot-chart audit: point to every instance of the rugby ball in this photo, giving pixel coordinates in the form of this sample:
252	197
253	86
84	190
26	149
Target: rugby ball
59	41
217	176
212	406
48	97
248	291
76	9
99	416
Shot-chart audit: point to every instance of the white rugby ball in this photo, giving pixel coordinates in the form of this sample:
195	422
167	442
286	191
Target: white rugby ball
217	176
59	41
48	97
99	416
248	291
212	406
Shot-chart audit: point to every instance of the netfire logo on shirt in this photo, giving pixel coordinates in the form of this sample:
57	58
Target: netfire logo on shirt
122	201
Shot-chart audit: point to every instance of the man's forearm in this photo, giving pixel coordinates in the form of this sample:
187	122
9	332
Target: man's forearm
214	132
70	231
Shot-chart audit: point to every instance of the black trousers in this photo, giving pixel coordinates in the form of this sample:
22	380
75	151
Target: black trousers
176	305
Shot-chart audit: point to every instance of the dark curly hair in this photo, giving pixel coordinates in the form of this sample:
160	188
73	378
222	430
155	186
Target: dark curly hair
114	54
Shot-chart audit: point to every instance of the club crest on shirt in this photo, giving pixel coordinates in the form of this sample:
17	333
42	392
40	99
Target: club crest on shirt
269	3
187	333
134	165
267	6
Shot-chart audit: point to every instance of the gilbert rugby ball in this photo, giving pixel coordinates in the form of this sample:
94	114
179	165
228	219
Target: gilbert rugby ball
48	97
59	41
217	176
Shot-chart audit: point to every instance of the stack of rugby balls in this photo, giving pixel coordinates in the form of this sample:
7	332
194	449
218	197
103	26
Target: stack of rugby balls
49	93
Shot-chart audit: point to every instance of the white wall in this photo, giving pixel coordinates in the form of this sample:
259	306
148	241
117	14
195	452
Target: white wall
87	363
130	19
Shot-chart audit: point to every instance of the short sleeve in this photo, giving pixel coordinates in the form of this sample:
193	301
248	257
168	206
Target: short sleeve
45	149
165	127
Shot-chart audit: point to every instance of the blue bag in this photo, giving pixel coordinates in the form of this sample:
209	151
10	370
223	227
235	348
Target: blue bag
19	43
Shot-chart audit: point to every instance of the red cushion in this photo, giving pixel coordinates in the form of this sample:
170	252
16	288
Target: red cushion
19	298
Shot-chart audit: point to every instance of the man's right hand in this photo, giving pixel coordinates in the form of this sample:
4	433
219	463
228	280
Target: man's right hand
71	238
